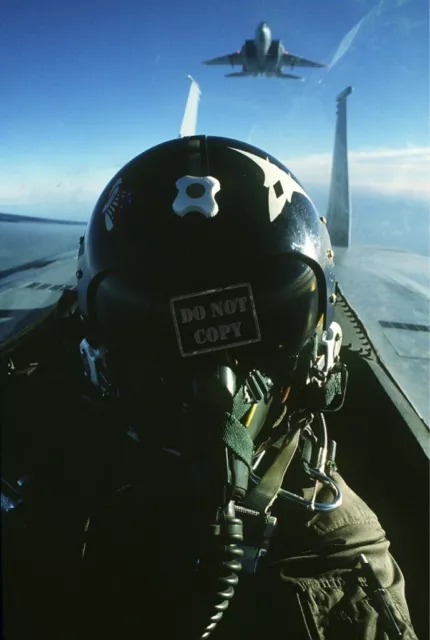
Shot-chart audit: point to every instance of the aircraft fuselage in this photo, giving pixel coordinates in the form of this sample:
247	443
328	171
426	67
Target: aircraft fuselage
262	56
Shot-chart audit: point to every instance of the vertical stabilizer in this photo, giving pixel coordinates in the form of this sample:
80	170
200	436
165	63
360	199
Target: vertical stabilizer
189	121
339	201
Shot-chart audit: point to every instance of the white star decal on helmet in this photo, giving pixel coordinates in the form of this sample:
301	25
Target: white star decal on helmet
281	185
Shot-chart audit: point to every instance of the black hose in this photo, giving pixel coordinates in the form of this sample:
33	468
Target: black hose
221	571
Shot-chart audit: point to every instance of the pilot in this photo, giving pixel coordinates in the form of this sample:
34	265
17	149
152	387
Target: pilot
206	299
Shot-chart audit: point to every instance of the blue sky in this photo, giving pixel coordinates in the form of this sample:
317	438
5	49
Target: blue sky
86	86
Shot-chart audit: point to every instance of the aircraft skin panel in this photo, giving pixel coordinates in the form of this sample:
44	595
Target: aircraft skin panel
28	294
339	202
288	59
389	289
230	59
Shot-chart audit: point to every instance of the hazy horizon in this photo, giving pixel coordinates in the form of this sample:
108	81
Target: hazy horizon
389	221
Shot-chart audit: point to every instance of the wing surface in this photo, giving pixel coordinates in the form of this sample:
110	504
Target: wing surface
230	59
290	60
30	292
389	289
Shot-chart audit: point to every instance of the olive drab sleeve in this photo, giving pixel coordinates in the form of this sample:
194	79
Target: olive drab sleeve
326	596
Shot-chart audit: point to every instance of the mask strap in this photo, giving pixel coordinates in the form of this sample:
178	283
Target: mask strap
236	432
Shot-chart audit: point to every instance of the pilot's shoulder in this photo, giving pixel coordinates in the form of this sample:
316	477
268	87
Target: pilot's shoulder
317	563
354	513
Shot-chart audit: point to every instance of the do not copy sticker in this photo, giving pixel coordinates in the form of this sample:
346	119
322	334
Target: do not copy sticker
215	319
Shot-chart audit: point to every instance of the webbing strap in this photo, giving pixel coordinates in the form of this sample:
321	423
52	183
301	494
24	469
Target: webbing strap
240	405
264	494
236	435
237	438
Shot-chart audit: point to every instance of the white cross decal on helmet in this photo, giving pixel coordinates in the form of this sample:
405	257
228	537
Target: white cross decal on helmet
196	194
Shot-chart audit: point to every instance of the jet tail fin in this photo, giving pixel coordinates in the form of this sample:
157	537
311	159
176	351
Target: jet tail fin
339	202
189	121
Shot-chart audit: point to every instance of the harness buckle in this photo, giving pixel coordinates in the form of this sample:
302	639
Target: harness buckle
257	387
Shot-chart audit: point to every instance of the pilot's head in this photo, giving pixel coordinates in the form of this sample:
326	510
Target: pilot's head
206	272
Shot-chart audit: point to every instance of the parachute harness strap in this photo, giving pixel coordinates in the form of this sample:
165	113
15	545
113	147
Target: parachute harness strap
263	495
269	487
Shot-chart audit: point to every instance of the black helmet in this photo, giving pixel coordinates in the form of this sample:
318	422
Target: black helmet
205	244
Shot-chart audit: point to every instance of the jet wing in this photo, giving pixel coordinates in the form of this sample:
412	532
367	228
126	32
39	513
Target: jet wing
28	292
37	263
389	290
231	59
289	60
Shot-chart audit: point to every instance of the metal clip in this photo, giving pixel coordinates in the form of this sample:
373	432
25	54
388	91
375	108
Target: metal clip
94	365
257	386
10	498
331	343
381	598
331	457
310	504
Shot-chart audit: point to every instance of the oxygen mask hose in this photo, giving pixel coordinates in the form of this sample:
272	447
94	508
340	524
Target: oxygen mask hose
224	422
219	534
219	475
218	572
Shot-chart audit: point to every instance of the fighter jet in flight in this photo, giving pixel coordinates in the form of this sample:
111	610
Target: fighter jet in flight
263	57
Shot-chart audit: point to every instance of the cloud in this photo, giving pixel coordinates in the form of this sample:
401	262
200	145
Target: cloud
402	171
34	185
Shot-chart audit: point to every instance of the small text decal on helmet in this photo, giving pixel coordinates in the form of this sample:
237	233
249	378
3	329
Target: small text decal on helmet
215	319
117	198
196	194
280	183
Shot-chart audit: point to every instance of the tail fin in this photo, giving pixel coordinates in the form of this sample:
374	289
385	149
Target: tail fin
189	121
339	201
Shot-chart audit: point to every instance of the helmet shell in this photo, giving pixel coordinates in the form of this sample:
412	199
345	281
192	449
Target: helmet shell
197	214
